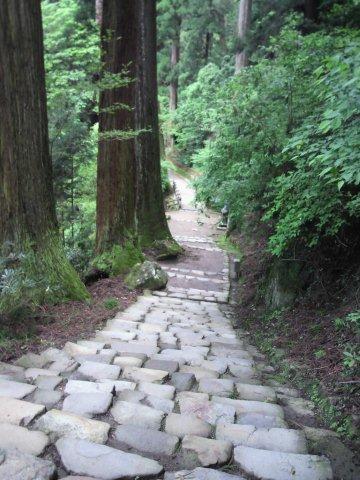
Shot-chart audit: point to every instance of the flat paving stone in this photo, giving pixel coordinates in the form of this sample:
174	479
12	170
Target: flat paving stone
73	349
181	425
282	466
97	371
57	423
164	365
100	461
208	452
15	389
145	440
33	373
18	412
88	404
250	406
255	392
31	360
83	386
27	441
123	362
131	348
182	381
119	385
210	412
127	413
201	473
49	398
137	374
260	421
17	465
199	372
91	344
97	357
276	439
116	335
159	403
164	391
220	387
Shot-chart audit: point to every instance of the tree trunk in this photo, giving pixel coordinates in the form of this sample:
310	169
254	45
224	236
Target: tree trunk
174	60
311	9
151	220
98	11
115	220
207	48
27	207
243	25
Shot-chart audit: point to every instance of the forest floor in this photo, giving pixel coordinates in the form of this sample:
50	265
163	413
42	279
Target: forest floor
54	325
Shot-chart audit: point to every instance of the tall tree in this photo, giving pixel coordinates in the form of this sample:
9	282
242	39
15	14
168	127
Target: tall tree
98	11
151	220
311	9
243	25
27	208
115	219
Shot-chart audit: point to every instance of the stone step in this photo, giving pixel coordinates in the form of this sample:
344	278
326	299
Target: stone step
270	465
275	439
146	440
102	462
18	412
206	451
12	389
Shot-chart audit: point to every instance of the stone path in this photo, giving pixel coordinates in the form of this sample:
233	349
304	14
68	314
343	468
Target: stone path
166	390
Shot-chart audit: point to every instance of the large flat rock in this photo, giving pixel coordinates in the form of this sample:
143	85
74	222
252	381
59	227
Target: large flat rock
216	386
30	360
15	389
210	412
136	374
145	440
58	424
201	473
18	412
127	413
16	465
86	458
250	406
275	439
88	404
258	393
208	452
282	466
181	425
27	441
83	386
97	371
164	391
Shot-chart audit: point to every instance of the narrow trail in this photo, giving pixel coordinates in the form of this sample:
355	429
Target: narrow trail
166	390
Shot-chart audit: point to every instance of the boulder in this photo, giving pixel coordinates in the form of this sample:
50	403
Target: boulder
166	249
147	275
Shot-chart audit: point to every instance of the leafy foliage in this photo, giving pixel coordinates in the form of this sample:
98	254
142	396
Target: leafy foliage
282	137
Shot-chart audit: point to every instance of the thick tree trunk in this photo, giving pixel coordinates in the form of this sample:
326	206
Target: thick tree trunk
243	25
98	11
174	60
208	38
311	9
115	220
27	206
151	220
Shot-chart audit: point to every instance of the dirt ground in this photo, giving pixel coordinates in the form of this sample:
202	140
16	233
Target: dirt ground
54	325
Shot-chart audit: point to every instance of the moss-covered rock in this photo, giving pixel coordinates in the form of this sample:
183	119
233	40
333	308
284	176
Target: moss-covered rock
147	275
166	249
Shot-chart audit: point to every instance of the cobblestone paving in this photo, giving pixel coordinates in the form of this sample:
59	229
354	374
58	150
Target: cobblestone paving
166	390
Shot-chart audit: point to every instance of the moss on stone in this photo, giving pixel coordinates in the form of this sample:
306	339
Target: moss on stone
165	249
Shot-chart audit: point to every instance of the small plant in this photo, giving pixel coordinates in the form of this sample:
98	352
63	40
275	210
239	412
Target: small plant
111	303
320	353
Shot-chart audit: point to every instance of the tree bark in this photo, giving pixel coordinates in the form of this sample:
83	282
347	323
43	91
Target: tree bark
98	11
243	25
27	206
115	219
311	9
174	60
151	220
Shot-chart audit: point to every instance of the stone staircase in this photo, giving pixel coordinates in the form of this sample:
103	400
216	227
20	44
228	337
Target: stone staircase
166	390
